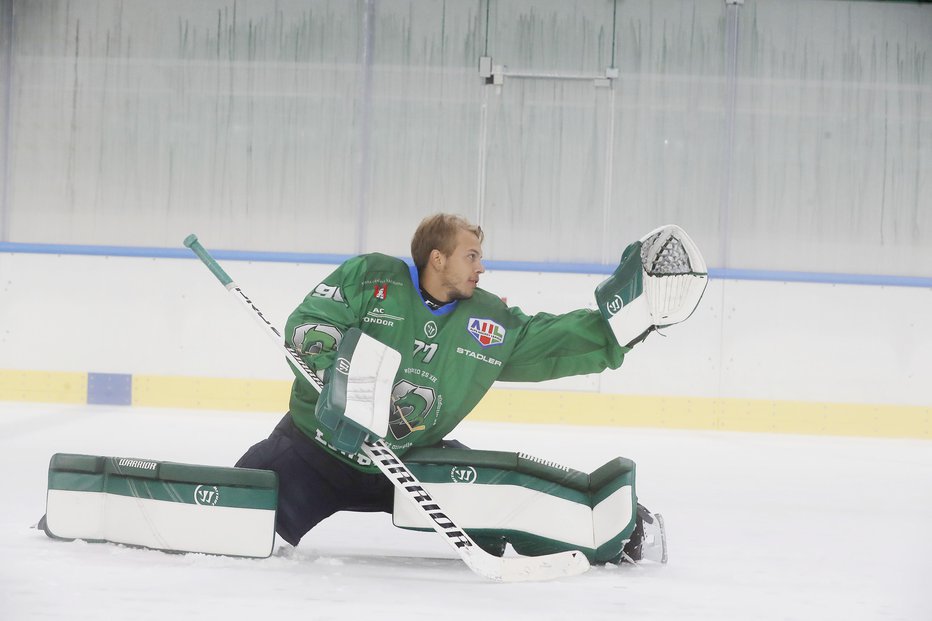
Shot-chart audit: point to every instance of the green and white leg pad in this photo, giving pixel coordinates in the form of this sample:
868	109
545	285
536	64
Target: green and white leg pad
537	506
162	505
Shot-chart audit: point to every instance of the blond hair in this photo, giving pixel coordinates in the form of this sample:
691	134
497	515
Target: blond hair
439	232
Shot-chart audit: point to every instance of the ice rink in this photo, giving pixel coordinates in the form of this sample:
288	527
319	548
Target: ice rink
760	527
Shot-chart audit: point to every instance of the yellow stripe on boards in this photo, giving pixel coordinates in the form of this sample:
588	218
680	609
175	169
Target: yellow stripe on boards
516	406
211	393
43	386
757	415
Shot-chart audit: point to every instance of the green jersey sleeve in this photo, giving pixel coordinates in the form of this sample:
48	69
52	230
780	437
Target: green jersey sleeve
552	346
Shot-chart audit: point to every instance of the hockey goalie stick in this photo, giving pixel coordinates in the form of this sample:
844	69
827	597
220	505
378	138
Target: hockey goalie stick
500	569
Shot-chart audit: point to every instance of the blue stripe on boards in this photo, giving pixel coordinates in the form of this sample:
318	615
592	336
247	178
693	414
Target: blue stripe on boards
822	277
171	253
516	266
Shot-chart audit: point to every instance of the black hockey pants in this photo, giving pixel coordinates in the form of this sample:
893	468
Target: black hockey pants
313	485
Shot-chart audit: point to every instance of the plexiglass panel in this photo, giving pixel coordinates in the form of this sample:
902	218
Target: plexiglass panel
784	135
138	122
833	167
545	171
670	122
562	37
421	149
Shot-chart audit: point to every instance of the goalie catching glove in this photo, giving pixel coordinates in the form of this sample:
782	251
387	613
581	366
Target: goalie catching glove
659	282
356	400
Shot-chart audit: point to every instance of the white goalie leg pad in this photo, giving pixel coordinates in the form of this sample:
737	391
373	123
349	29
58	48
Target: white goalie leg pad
538	506
162	505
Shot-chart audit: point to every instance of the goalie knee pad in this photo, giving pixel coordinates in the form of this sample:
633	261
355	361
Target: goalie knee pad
658	283
537	506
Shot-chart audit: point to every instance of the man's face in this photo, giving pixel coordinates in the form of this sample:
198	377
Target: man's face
459	272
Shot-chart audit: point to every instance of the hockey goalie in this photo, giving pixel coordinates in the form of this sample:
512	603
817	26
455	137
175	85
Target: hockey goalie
390	352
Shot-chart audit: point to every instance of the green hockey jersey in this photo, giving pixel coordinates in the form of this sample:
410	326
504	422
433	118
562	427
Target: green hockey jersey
450	356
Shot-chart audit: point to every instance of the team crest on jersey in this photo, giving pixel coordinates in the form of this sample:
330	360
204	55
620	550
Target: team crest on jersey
486	331
411	405
381	292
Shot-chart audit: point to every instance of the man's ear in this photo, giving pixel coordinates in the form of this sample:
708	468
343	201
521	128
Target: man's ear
436	258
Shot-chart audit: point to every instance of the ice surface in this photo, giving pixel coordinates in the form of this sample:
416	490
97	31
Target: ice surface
760	527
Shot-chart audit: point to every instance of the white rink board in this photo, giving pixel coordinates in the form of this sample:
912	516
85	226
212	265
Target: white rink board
747	339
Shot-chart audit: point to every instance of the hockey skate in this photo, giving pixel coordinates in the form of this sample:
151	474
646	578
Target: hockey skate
648	540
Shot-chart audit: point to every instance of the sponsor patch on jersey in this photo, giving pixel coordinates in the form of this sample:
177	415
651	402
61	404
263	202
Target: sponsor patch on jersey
380	317
380	312
380	292
486	331
462	351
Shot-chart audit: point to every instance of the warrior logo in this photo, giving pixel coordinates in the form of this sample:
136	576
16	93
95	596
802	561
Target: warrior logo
486	331
206	495
614	305
463	474
313	338
410	407
137	463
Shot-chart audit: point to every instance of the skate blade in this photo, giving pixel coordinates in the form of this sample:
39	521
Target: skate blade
654	546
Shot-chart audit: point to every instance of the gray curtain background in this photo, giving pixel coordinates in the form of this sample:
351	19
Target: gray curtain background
783	134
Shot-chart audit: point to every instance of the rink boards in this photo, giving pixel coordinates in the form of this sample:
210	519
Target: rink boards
500	405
